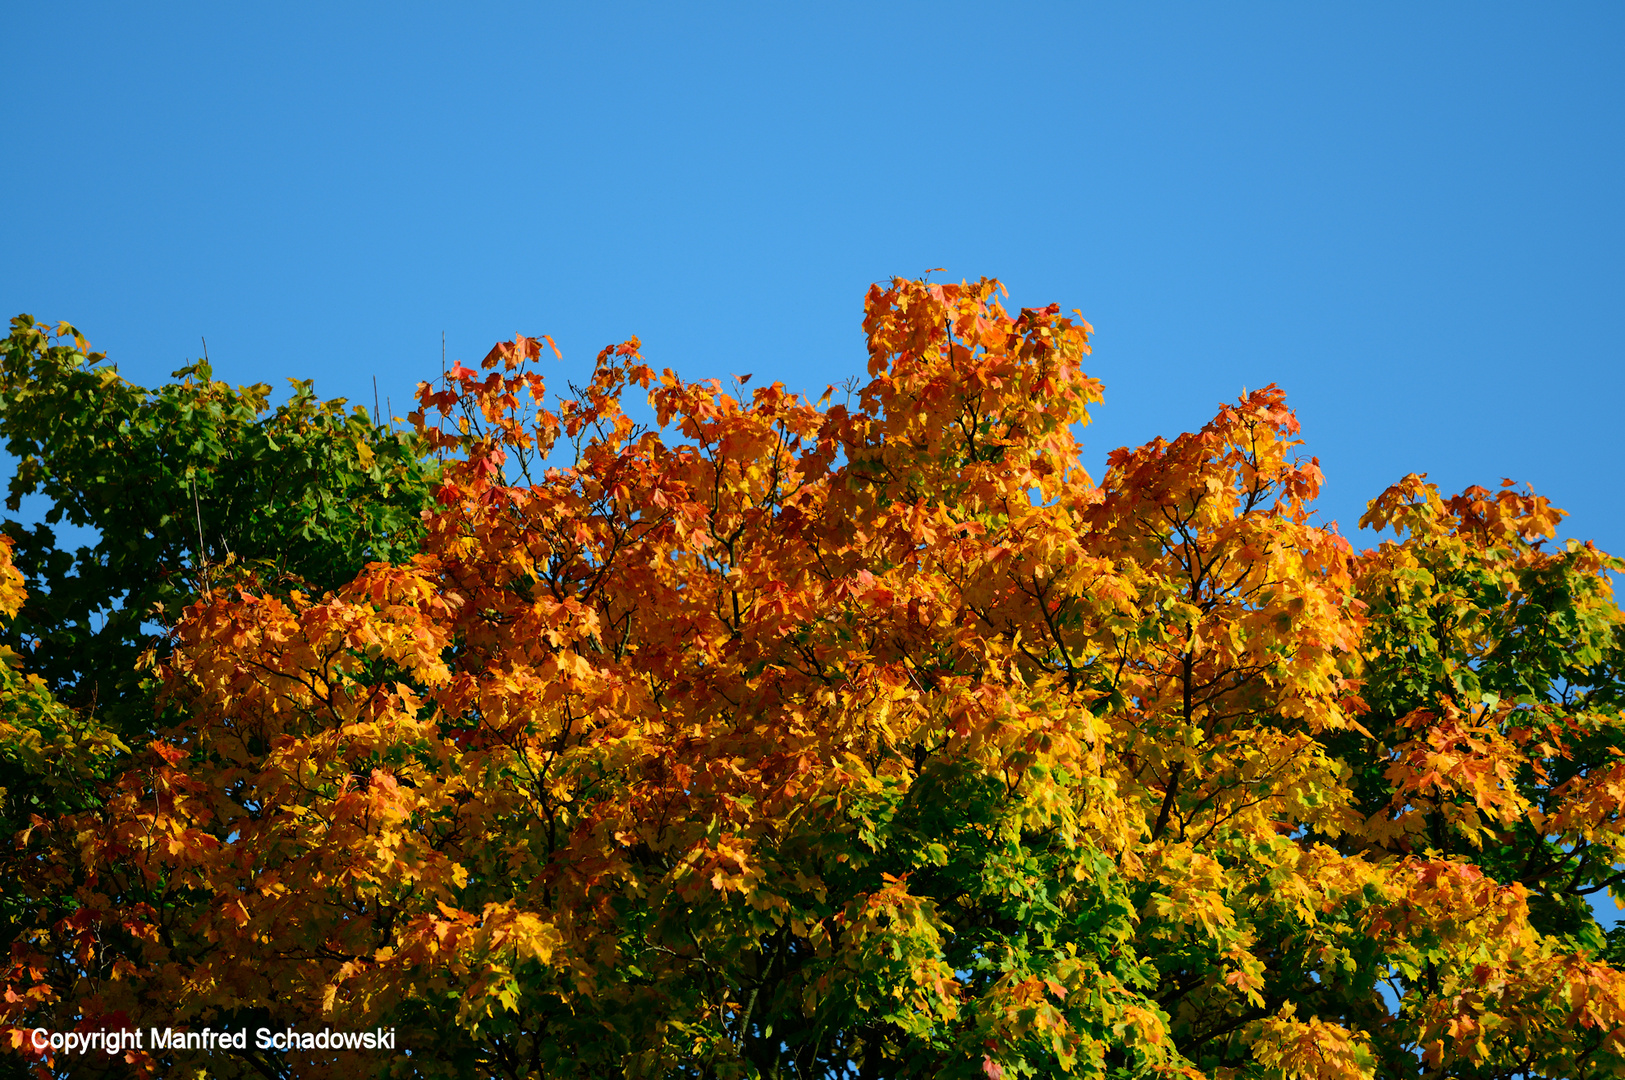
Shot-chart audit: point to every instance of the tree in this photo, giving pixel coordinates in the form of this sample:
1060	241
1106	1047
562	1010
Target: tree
192	478
790	738
193	485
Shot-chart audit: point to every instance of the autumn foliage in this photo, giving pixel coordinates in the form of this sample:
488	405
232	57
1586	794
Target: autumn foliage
864	738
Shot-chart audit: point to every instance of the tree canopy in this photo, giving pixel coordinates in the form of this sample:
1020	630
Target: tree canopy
173	481
815	738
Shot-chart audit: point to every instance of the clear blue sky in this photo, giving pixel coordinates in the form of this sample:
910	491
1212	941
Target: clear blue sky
1409	216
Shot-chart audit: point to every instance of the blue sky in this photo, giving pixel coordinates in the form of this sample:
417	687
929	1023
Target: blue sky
1408	218
1408	215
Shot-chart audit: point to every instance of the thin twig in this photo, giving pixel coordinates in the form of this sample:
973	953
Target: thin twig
203	560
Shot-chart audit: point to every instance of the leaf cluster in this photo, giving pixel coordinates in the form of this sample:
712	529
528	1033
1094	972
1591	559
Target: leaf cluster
196	477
